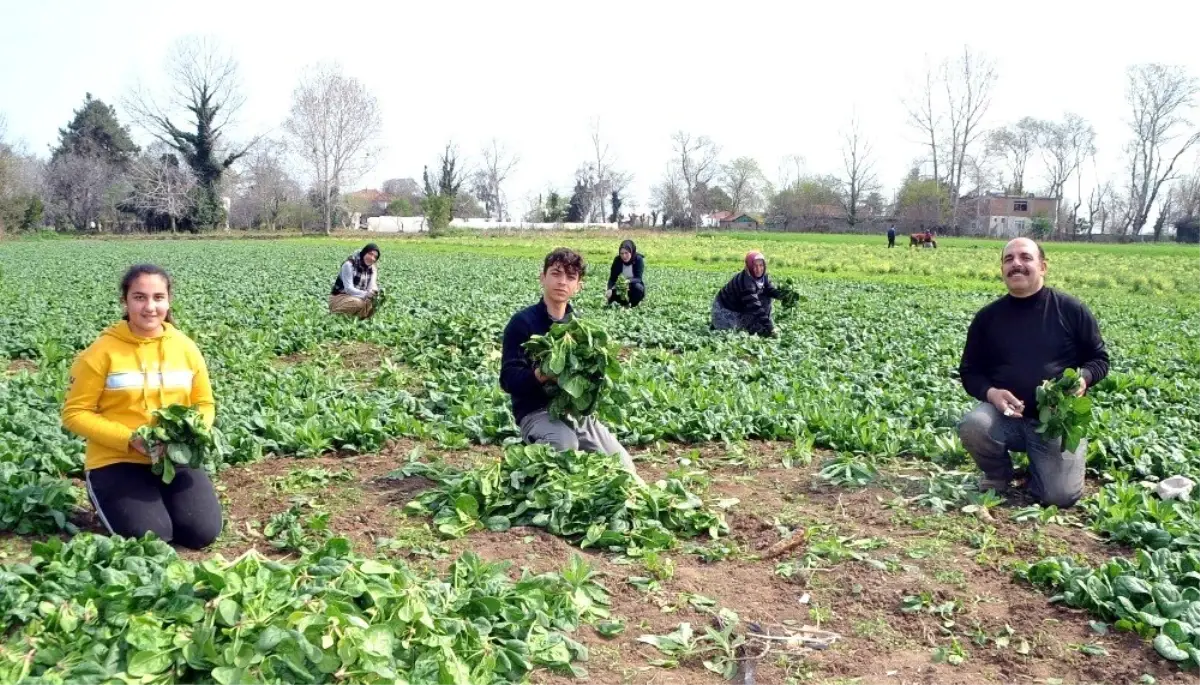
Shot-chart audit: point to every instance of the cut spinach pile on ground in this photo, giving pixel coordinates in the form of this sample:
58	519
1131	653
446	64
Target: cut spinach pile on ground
100	609
1061	414
1156	595
587	498
185	439
579	355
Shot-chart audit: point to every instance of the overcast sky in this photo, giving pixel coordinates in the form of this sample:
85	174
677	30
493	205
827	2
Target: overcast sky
761	79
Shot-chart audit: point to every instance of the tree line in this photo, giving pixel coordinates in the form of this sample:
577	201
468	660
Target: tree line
96	178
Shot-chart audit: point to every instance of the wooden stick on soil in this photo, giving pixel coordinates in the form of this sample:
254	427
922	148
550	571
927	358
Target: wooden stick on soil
786	545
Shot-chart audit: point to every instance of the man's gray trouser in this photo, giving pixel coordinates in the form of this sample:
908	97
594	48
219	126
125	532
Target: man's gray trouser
587	435
1055	477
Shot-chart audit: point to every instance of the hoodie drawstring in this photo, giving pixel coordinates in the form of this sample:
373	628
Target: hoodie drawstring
162	360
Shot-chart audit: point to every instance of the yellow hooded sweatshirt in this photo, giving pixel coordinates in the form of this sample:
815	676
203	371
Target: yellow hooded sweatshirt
121	378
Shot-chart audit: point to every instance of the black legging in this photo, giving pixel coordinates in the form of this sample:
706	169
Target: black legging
132	501
637	293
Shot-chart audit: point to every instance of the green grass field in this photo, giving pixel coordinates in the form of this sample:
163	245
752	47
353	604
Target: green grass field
842	430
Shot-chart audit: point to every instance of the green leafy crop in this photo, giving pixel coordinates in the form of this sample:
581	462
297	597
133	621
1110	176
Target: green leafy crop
184	439
584	363
1062	414
588	498
1156	595
99	609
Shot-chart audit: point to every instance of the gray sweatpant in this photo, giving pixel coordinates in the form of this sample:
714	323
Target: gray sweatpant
1056	477
586	435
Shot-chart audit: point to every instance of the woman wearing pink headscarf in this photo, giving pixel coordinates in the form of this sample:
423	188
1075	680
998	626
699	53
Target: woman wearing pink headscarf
744	304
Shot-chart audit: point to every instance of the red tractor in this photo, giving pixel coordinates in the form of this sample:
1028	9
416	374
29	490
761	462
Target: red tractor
922	239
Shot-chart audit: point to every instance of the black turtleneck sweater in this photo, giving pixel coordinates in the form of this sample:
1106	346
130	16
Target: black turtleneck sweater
1016	343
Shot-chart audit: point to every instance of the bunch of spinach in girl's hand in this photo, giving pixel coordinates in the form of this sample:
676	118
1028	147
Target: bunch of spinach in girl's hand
182	437
1062	413
584	364
621	291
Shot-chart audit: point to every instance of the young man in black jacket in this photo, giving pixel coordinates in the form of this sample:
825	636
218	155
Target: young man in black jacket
1013	344
562	276
744	303
628	264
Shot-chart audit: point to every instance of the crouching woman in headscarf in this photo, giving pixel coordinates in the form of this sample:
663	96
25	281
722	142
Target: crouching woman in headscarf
629	265
744	304
357	284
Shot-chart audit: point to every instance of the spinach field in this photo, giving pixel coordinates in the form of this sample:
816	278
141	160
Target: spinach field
366	465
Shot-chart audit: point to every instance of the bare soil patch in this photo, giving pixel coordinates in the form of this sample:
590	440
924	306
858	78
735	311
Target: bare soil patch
16	366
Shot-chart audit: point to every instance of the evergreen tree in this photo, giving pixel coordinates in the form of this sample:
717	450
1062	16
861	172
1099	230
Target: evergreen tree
94	131
577	209
616	206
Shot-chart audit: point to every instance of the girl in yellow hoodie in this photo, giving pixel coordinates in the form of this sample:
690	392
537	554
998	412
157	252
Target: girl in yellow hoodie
137	365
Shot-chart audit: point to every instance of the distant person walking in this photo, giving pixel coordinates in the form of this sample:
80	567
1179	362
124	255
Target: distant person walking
630	266
357	284
891	236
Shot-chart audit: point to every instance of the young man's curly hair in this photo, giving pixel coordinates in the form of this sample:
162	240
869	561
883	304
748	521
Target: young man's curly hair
570	261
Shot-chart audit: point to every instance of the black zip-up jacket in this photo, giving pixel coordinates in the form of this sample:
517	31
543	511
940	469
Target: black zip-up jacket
744	296
639	267
516	368
1015	343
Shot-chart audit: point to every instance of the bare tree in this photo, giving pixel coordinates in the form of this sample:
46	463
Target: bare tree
669	198
401	187
335	123
1014	145
1161	98
266	186
160	185
859	167
1187	196
790	171
743	180
1100	207
1064	145
205	88
697	160
925	116
607	179
498	164
966	84
969	82
77	187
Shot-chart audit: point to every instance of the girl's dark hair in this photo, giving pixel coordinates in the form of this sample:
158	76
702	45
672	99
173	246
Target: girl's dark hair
137	271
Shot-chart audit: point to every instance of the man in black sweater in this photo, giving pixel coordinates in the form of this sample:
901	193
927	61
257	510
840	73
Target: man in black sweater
1013	344
562	276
